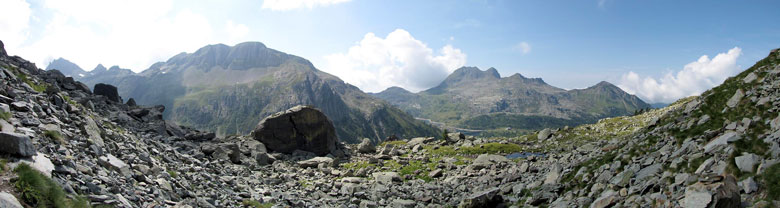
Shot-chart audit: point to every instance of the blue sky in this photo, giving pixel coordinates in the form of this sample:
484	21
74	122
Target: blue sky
650	48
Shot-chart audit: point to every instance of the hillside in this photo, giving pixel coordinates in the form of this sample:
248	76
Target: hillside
229	89
475	99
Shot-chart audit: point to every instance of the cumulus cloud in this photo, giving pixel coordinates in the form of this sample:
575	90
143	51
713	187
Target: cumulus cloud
523	47
14	22
285	5
399	59
236	32
131	34
695	78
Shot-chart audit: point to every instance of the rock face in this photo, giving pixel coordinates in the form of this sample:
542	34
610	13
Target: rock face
107	90
723	193
298	128
16	144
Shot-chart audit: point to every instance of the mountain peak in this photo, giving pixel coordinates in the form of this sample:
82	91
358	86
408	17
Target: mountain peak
99	67
471	73
395	89
242	56
604	84
66	67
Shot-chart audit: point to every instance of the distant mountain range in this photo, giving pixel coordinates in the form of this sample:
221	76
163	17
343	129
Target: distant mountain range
475	99
230	89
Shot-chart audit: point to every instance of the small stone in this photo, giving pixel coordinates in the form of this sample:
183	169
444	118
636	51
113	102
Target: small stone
435	173
366	147
734	100
544	134
749	185
746	162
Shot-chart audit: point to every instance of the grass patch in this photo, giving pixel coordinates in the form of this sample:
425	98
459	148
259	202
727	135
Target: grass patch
172	173
38	190
771	181
256	204
489	148
394	143
36	87
357	165
5	115
54	136
3	162
695	163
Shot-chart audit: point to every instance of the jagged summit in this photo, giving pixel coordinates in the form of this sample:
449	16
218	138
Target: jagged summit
242	56
471	73
224	88
66	67
485	100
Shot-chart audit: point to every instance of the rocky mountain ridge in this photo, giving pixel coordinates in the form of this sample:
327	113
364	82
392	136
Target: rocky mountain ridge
475	99
228	89
719	149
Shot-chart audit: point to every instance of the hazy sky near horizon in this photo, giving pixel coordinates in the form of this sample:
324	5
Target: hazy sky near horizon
658	50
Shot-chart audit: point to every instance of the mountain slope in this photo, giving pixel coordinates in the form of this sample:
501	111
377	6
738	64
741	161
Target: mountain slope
471	98
229	89
67	68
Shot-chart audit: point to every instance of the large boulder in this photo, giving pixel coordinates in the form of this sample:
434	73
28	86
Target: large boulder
107	90
717	192
16	144
298	128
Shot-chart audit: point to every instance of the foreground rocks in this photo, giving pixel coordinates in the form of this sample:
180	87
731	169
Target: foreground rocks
127	156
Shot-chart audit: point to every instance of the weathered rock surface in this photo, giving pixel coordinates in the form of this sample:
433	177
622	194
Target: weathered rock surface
107	90
298	128
16	144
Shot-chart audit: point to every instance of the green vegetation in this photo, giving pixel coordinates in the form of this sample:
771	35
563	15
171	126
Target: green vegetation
357	165
5	115
771	181
394	143
503	120
3	162
36	87
38	190
172	173
256	204
489	148
54	136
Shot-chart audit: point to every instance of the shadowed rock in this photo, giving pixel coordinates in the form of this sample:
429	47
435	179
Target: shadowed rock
298	128
107	90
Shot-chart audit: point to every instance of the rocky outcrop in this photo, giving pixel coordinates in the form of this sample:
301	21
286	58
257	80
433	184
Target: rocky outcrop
298	128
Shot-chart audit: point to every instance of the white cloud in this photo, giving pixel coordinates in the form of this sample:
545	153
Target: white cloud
236	32
375	64
693	79
523	47
285	5
131	34
14	22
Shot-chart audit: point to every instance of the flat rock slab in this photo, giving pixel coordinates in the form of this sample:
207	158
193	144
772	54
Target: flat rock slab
113	163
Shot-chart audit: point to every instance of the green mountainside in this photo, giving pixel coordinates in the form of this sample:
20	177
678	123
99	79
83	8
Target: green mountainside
230	89
474	99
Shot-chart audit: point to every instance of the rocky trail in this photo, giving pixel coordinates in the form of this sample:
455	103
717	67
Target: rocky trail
719	149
